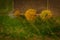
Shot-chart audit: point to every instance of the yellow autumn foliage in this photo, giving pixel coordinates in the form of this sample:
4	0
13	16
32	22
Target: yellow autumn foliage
17	13
45	14
30	14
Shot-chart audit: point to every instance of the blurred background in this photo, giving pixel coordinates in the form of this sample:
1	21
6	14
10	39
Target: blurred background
5	6
39	5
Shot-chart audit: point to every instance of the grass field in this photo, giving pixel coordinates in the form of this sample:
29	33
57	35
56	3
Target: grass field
21	29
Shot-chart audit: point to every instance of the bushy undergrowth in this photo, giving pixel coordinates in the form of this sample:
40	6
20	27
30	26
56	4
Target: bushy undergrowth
22	29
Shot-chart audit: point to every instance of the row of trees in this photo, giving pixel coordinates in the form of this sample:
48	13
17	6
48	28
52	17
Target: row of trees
31	14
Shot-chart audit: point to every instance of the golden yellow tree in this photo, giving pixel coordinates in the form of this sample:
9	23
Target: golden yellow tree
30	14
45	14
17	13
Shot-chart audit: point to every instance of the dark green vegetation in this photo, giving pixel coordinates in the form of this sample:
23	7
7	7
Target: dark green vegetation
21	29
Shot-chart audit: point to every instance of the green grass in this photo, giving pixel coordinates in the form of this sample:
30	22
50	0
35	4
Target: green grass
21	29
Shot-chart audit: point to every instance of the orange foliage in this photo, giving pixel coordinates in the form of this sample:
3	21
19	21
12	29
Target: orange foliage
17	13
30	14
